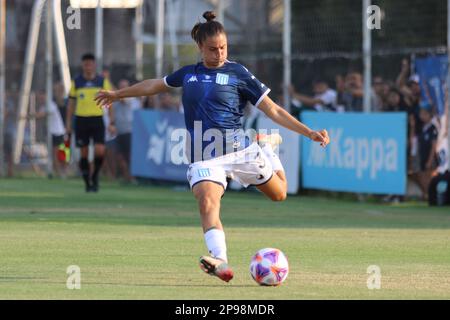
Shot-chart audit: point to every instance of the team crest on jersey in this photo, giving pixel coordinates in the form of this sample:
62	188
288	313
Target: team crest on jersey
204	172
222	79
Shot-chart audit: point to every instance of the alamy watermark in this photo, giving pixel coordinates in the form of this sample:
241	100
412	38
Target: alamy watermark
74	278
374	17
73	21
179	146
374	279
198	145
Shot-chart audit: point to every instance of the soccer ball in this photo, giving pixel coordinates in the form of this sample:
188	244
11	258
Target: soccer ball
269	267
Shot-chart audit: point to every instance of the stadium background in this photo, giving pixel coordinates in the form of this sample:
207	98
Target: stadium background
327	40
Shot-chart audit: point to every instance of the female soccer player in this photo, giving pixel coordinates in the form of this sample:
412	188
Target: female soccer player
215	92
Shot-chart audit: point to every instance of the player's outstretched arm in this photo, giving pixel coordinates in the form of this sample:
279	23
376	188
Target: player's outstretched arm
283	118
105	98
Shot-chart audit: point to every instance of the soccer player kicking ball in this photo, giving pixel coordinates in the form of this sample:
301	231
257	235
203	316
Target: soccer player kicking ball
215	92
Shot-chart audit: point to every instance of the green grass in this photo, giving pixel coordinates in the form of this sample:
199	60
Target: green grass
143	243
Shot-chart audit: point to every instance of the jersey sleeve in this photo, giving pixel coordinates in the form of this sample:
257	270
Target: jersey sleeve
73	91
106	84
251	88
175	80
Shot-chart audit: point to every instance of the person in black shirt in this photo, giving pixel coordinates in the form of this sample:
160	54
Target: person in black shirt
427	149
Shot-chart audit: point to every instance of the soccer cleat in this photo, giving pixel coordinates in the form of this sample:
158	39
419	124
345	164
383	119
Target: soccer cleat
272	139
91	188
88	187
94	185
216	267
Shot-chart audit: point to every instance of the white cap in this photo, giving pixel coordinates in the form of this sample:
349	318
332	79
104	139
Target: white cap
414	78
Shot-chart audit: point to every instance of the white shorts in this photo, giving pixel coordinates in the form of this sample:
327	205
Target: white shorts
250	166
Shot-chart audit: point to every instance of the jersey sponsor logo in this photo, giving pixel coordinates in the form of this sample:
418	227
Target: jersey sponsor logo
192	79
222	79
206	78
204	172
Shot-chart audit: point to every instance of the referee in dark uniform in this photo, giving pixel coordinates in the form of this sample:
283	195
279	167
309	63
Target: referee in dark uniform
88	122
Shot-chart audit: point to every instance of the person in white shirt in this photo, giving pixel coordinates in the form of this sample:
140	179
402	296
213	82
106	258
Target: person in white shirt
324	98
56	128
124	110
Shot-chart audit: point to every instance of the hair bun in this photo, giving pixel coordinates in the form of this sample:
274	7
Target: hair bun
209	15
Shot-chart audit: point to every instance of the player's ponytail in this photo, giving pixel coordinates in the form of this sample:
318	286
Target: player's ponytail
201	31
209	15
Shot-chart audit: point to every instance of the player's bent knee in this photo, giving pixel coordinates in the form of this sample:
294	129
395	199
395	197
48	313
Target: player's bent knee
281	196
208	195
208	202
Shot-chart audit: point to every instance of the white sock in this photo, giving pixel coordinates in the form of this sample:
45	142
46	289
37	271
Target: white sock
215	241
273	158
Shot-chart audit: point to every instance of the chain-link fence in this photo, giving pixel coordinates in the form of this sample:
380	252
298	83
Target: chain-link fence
326	45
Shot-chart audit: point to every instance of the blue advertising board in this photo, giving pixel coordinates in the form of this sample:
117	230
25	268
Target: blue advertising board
154	152
367	153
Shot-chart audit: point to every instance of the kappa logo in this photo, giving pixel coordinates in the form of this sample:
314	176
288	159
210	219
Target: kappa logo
222	79
192	79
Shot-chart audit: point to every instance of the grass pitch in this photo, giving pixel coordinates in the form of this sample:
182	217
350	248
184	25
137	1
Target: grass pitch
144	242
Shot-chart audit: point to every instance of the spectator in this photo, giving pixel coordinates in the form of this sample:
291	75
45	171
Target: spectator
427	149
295	107
394	101
123	111
412	147
379	94
148	102
324	98
410	88
109	168
168	102
60	98
340	90
352	96
56	128
443	141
